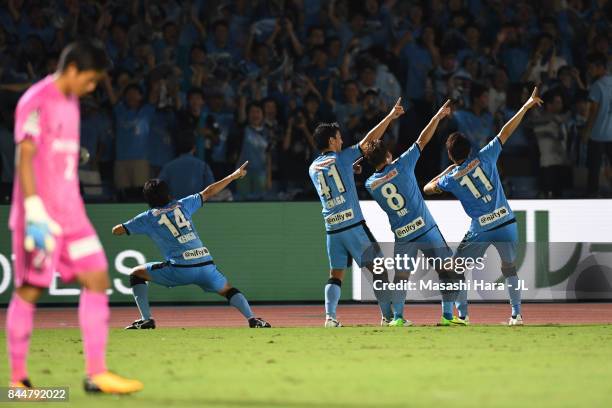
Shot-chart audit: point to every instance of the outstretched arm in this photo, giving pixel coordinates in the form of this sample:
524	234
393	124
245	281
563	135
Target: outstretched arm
432	188
513	123
431	127
216	188
379	130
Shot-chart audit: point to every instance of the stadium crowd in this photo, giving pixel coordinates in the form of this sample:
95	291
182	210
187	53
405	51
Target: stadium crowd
198	87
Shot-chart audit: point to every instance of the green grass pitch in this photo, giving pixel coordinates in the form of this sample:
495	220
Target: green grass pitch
478	366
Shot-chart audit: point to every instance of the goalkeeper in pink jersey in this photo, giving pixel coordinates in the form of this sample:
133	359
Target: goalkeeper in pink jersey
50	228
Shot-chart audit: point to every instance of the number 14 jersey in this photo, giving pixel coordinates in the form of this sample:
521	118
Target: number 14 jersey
172	231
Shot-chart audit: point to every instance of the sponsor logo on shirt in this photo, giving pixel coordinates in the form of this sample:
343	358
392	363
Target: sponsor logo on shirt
325	164
408	229
65	146
31	126
497	214
471	166
340	217
196	253
186	238
389	176
159	211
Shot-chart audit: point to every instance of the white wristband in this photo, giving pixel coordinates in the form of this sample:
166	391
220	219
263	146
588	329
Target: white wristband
34	208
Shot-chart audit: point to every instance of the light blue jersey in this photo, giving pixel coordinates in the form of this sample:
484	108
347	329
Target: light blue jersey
601	93
477	185
332	175
396	190
172	230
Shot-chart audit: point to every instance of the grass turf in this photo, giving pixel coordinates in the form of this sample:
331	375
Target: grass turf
354	366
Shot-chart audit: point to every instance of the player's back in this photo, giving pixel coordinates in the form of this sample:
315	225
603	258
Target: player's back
171	229
396	190
332	175
477	185
51	121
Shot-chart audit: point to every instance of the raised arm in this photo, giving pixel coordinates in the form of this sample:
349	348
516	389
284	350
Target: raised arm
513	123
216	188
431	127
379	130
432	188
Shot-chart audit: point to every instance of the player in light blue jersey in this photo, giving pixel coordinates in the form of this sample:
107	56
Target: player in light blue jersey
474	180
187	261
395	188
348	237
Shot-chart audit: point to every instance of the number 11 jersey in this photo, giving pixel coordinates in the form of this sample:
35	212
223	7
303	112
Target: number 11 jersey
477	185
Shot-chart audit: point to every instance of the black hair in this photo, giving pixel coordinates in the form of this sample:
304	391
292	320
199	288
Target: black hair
254	104
598	59
323	133
195	91
185	142
85	55
550	95
376	152
219	22
131	86
311	96
156	193
458	147
477	91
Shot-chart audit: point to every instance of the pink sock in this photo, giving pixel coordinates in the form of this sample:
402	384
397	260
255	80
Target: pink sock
19	324
93	318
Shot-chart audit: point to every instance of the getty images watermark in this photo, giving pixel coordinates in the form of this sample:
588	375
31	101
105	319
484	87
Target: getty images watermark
408	265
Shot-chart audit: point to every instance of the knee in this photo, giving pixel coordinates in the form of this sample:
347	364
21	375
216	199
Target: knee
508	269
136	280
95	281
230	293
336	274
28	293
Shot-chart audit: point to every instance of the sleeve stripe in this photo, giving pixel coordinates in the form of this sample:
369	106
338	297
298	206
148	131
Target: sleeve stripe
127	231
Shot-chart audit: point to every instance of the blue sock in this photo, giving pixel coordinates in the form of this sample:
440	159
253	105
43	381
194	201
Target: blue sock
384	303
141	296
515	295
462	303
239	302
398	299
332	296
448	300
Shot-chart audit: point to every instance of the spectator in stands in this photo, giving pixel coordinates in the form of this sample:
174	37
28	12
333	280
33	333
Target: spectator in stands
243	52
551	135
476	122
186	174
253	145
132	128
598	130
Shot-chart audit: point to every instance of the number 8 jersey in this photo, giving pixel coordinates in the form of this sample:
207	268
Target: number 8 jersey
332	175
477	185
396	190
172	230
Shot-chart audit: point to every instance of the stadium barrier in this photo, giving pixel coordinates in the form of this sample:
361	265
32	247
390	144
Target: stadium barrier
276	251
